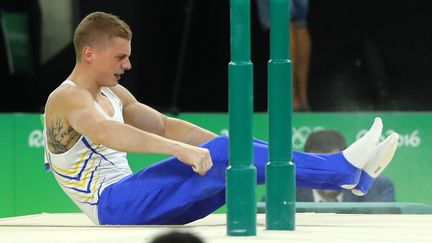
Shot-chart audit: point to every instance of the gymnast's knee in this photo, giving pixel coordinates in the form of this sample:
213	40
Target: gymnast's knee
219	149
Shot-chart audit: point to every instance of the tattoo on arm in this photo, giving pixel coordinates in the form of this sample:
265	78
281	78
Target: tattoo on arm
61	138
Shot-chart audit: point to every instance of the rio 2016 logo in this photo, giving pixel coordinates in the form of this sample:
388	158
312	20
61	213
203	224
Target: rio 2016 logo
412	139
299	135
36	139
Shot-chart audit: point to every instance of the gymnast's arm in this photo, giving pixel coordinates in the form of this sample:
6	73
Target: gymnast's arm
74	108
152	121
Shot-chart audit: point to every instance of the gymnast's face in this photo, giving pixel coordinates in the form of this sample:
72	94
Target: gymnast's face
111	60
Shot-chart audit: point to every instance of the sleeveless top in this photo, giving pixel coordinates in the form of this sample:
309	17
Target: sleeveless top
86	169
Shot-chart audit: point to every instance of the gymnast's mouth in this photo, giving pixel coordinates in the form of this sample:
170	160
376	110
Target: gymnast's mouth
118	76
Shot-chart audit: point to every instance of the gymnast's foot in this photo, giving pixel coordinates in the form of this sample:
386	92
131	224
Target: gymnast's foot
359	153
380	158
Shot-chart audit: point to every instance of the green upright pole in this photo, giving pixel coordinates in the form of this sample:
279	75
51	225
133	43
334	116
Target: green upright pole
280	171
241	174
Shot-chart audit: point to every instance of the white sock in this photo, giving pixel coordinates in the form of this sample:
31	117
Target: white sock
381	157
359	152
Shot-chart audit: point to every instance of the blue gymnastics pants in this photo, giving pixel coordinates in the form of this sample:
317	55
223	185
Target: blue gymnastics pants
170	192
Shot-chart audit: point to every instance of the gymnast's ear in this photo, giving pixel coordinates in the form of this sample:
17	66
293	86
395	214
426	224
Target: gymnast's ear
87	54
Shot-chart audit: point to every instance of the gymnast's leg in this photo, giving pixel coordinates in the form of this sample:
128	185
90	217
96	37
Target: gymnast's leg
168	192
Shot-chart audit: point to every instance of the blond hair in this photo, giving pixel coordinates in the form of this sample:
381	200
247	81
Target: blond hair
98	27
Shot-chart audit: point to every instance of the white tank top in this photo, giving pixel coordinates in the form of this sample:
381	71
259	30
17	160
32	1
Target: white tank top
86	169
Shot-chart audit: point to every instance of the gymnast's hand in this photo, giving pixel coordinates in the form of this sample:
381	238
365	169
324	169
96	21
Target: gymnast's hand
197	157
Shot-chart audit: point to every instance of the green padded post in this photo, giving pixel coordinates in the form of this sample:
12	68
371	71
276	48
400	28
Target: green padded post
241	174
280	171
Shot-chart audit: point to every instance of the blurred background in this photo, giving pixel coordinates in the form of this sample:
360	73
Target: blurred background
366	55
